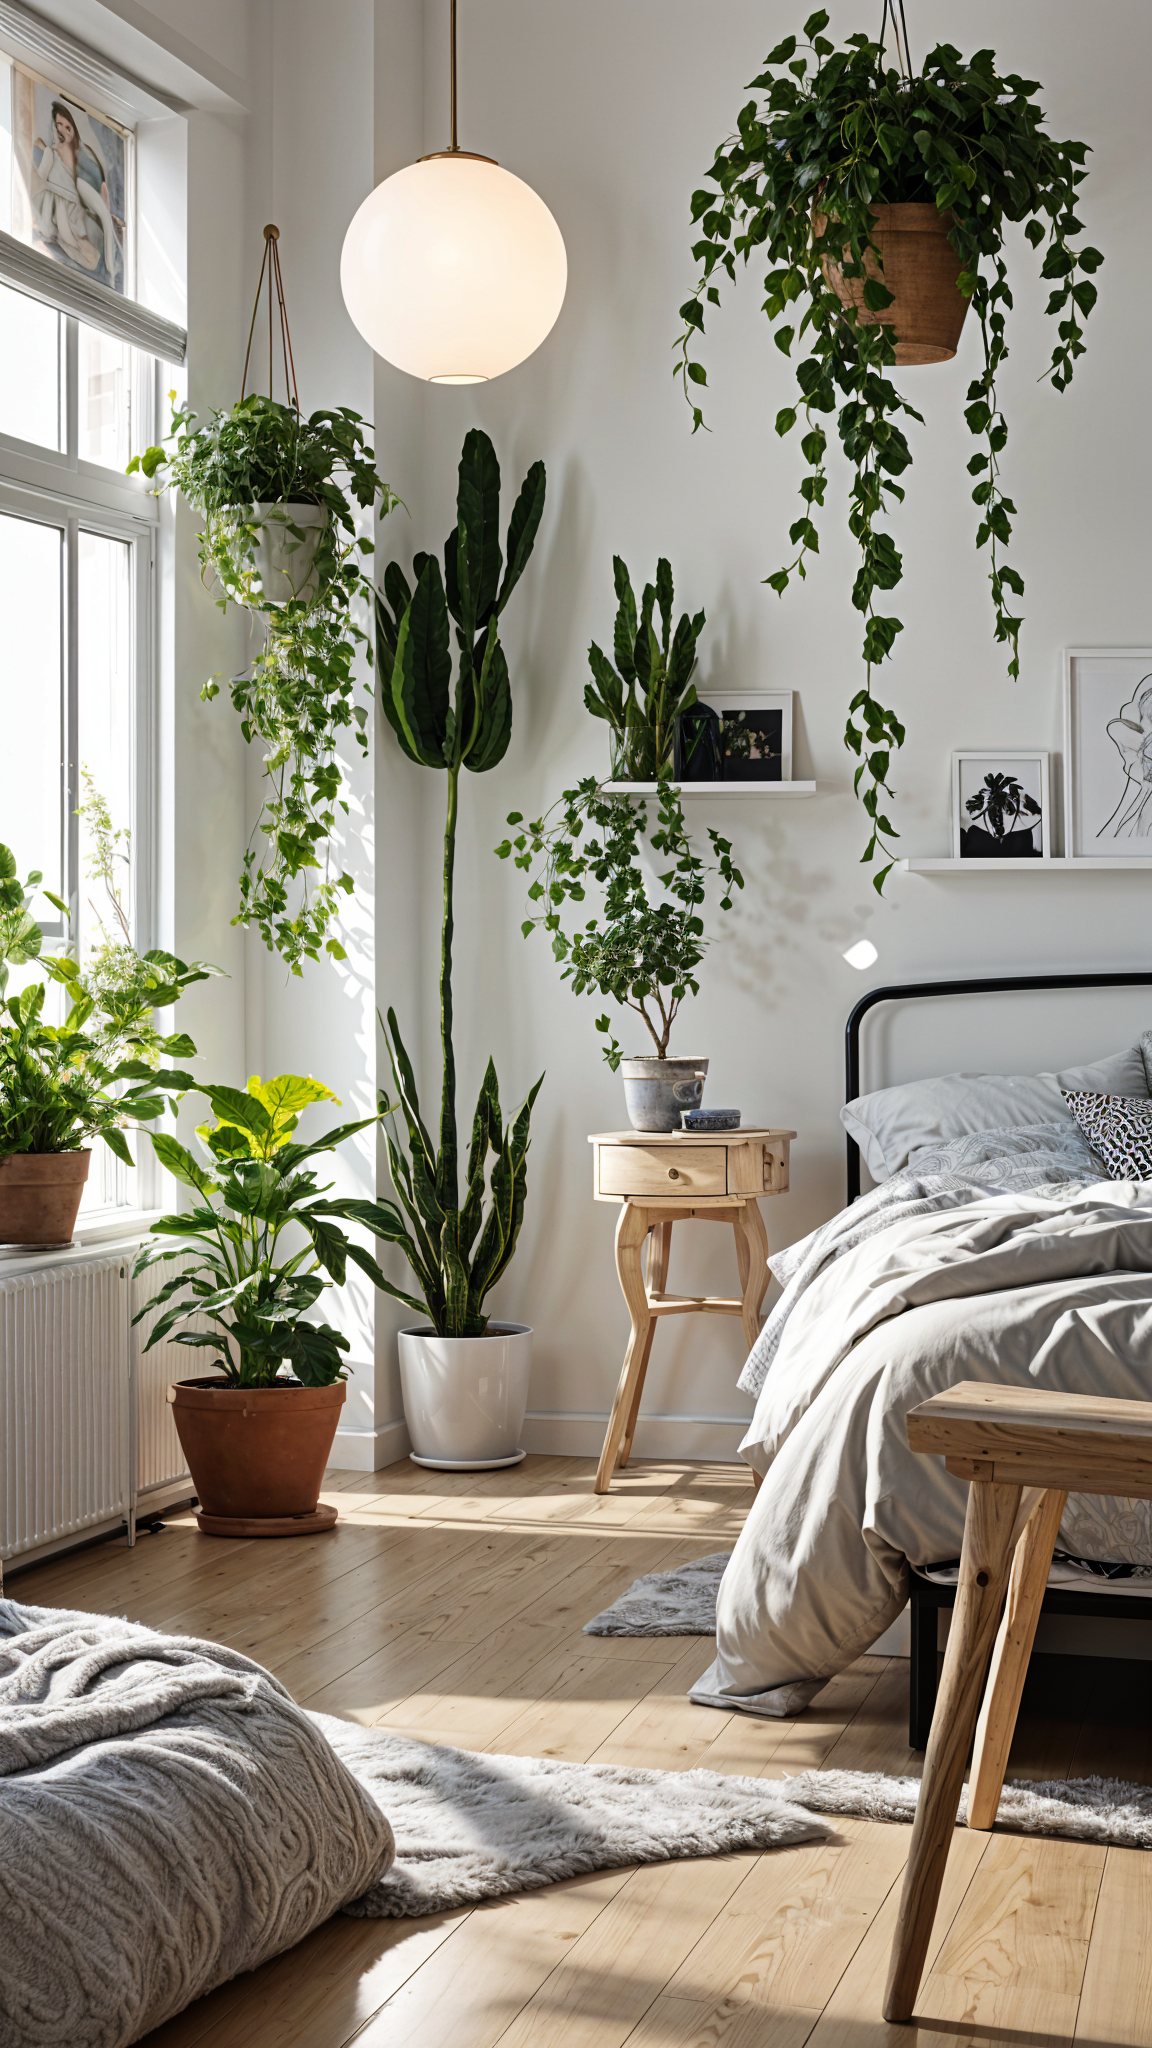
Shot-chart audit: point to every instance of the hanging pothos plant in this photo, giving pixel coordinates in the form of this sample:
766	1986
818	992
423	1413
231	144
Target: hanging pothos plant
278	496
836	134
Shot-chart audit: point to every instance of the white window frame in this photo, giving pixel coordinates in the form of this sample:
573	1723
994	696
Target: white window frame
55	488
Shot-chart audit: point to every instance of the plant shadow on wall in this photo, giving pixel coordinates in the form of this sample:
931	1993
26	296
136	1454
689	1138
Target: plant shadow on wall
879	197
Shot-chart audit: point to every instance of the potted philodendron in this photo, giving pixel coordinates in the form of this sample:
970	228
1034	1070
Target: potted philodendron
62	1085
881	199
257	1432
278	495
464	1377
641	950
650	685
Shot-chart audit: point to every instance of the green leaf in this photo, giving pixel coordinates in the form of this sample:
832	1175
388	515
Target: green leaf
422	671
178	1161
522	529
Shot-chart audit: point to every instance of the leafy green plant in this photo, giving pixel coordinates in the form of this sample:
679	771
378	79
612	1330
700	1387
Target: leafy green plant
651	682
1001	802
234	1273
299	693
456	1252
639	951
837	133
21	938
60	1086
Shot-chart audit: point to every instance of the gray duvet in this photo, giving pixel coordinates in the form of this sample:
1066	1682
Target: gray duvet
922	1285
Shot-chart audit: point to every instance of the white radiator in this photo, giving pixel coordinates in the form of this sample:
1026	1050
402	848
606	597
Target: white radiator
65	1402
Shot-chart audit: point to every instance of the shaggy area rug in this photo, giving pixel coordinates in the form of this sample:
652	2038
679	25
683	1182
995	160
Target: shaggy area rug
471	1826
676	1603
1102	1810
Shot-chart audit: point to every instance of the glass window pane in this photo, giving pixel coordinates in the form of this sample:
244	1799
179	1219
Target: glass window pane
106	371
29	369
31	699
104	661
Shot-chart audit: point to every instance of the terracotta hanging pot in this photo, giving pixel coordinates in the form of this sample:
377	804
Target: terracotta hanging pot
921	269
40	1196
257	1454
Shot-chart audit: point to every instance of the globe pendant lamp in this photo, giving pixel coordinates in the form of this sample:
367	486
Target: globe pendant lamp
453	269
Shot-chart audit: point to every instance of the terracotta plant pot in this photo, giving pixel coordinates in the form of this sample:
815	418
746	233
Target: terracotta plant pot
40	1196
257	1454
921	269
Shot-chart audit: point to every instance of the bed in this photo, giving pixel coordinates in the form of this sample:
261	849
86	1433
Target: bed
994	1245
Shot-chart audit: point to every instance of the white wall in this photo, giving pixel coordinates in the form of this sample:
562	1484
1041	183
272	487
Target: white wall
612	112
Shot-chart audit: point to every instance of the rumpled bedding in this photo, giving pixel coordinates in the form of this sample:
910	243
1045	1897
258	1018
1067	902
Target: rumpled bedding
929	1280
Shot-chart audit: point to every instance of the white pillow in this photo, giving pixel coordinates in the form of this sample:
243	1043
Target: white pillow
892	1124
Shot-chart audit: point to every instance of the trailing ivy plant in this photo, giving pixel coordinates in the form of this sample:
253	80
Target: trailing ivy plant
239	471
640	951
831	134
651	683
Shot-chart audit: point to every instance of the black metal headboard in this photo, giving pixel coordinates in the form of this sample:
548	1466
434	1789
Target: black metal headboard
911	991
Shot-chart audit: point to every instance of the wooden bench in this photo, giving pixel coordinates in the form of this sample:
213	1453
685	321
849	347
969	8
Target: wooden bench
1024	1451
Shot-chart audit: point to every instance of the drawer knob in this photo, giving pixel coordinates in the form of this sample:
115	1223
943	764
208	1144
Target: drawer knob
673	1173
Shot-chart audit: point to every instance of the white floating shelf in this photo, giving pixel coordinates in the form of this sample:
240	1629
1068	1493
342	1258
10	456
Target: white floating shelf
724	790
1057	865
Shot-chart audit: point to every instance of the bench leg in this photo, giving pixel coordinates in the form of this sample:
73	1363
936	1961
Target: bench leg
631	1230
997	1722
988	1535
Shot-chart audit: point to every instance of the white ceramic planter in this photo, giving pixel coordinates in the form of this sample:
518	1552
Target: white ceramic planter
464	1397
283	561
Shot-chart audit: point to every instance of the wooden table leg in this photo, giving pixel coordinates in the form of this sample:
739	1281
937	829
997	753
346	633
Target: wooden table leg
631	1230
1009	1668
752	1260
988	1536
659	1246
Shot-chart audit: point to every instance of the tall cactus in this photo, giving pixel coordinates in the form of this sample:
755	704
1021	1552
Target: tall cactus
456	1252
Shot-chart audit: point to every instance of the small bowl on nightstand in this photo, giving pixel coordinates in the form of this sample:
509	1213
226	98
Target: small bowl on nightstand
710	1119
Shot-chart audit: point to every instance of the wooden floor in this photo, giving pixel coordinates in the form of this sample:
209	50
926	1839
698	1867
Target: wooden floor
451	1607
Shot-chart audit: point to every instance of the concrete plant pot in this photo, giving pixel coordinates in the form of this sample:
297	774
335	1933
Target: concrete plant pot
40	1194
465	1397
656	1092
257	1454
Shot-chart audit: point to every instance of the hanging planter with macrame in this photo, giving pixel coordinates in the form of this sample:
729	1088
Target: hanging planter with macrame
279	496
880	197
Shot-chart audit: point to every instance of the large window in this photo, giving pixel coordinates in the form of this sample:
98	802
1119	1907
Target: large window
76	574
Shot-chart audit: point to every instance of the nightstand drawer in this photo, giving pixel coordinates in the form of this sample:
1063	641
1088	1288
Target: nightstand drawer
658	1170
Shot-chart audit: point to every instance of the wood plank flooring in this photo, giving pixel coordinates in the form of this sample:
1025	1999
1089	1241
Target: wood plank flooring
451	1607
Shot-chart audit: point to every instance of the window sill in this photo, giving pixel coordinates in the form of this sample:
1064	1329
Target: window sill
96	1236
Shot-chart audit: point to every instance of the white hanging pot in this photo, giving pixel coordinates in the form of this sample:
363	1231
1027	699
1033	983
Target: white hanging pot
276	547
464	1397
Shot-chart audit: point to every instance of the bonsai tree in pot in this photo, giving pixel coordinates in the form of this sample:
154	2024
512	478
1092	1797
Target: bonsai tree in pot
642	696
465	1380
258	1431
61	1085
880	197
641	951
278	494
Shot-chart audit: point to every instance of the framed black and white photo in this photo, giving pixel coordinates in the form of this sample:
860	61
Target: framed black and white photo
755	734
1000	805
1108	752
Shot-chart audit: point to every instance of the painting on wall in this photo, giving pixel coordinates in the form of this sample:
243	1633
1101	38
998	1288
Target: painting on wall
1108	752
1000	805
71	181
755	735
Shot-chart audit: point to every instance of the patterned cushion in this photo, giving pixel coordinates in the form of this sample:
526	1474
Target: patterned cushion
1017	1157
1120	1129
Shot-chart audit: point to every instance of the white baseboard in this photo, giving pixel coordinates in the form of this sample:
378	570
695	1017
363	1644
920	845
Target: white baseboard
369	1450
711	1437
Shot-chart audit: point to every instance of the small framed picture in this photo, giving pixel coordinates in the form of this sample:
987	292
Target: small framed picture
1000	805
755	734
1108	752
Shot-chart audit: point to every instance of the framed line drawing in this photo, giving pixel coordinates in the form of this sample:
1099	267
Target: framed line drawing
755	734
1001	804
1108	752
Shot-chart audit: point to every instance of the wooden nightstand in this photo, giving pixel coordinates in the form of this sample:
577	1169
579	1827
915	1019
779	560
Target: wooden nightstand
714	1176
